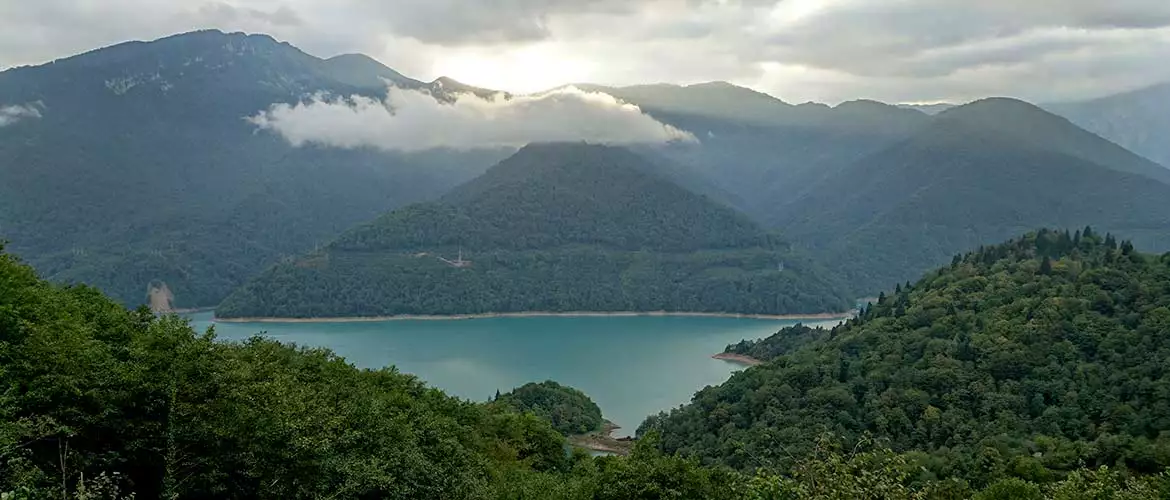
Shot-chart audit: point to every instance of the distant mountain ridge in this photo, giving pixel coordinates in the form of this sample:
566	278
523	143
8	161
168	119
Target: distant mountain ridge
131	164
556	227
979	173
761	149
1138	120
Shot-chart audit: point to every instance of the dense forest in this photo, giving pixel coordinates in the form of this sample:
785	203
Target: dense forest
101	402
783	342
569	410
556	227
1027	359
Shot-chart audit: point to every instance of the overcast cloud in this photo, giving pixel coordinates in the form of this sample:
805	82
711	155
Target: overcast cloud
798	50
410	120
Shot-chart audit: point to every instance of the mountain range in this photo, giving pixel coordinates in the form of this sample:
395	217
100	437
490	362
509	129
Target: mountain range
980	172
140	167
131	167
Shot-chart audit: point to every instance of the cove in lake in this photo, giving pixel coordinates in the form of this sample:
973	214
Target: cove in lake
631	366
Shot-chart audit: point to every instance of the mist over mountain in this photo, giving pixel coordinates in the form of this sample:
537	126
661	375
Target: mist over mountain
1139	120
136	163
759	148
411	120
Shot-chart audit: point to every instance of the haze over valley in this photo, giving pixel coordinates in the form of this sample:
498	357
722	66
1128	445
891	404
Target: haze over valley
927	262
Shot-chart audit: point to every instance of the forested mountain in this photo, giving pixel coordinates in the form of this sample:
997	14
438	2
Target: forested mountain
979	174
556	227
760	149
1138	120
1025	359
134	163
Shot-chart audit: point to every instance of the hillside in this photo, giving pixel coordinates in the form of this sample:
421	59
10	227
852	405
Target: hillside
981	173
1139	120
555	227
138	165
1025	359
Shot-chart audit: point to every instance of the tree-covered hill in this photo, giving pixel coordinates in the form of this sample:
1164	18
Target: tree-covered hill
556	227
1028	359
138	164
980	174
569	410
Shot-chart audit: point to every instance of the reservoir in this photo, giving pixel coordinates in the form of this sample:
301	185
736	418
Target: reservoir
632	366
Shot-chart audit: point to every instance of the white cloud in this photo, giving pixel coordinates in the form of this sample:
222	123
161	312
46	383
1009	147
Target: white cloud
12	114
410	120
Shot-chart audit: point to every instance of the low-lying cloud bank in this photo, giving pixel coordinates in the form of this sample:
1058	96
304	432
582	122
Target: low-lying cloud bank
410	120
12	114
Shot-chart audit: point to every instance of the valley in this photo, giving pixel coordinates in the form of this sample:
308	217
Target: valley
231	268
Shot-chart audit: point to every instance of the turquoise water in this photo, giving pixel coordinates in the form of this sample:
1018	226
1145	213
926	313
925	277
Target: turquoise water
631	366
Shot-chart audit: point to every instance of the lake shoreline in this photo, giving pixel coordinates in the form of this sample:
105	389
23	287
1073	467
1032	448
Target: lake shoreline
602	440
536	314
739	359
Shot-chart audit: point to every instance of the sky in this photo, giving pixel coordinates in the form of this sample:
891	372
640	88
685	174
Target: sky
798	50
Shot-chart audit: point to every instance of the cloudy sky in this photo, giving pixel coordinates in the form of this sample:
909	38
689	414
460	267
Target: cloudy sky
798	50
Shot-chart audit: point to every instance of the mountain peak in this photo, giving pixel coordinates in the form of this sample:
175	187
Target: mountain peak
564	226
448	88
994	105
549	161
364	71
1025	124
355	58
446	81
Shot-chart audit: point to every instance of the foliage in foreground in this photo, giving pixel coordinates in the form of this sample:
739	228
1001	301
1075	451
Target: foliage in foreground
100	402
97	401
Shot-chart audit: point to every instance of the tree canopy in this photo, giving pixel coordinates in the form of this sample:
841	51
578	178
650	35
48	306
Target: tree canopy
992	367
97	401
570	410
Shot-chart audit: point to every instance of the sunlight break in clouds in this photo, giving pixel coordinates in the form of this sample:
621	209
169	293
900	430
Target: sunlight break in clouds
411	120
13	114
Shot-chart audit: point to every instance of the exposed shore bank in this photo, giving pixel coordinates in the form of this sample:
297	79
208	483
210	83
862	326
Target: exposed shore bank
536	314
603	441
738	359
